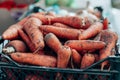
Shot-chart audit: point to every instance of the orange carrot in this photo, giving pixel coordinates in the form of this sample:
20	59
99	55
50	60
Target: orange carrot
61	32
73	21
53	42
46	19
93	30
61	25
27	40
80	45
12	32
76	57
15	46
34	59
110	38
87	60
36	36
64	55
63	52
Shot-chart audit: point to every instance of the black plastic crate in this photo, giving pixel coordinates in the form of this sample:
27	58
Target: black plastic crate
10	70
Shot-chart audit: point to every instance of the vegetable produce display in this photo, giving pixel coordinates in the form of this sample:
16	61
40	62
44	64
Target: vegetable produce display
71	39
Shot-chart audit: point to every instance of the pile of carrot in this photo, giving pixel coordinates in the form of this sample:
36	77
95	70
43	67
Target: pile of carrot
54	41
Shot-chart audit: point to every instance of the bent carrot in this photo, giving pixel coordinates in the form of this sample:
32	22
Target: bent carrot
27	40
110	38
36	36
73	21
15	46
61	32
93	30
80	45
12	31
53	42
87	60
34	59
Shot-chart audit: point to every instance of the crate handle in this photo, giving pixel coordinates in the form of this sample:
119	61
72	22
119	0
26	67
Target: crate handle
7	57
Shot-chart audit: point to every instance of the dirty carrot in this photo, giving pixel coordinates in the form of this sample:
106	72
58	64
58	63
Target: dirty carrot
110	38
93	30
34	59
73	21
32	30
15	46
61	32
80	45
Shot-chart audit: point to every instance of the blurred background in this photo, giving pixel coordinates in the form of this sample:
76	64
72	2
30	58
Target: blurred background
12	11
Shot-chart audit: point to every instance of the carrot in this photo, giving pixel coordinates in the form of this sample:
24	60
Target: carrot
93	30
61	25
15	46
32	30
46	19
80	45
34	59
64	55
87	60
27	40
110	38
76	57
53	42
105	23
61	32
73	21
63	52
12	32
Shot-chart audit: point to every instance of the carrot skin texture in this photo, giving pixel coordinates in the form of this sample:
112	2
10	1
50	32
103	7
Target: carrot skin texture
36	36
93	30
34	59
61	32
76	56
73	21
27	40
87	60
61	25
53	42
110	38
80	45
12	32
64	55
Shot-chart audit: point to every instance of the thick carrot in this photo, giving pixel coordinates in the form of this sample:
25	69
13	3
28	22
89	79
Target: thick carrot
34	59
64	55
36	36
61	25
76	57
27	40
53	42
73	21
15	46
80	45
93	30
87	60
110	38
12	32
61	32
